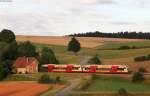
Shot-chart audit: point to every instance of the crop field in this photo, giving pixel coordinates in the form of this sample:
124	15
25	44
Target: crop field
88	42
114	84
22	88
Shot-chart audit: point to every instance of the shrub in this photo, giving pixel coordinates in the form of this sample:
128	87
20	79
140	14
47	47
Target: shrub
95	60
58	79
122	92
45	79
142	69
138	77
124	47
148	57
134	47
141	58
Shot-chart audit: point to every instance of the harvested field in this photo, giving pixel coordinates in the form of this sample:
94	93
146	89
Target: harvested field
88	42
25	88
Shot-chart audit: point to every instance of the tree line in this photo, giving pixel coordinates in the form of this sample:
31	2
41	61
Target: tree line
10	50
129	35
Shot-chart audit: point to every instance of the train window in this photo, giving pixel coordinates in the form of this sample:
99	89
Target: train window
102	68
87	68
59	68
75	68
120	68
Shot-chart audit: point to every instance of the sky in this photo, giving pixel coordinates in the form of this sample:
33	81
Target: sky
62	17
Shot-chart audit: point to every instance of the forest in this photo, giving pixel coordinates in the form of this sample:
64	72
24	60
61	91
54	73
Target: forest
129	35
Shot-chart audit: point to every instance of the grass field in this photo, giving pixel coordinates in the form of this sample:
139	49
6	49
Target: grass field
119	44
114	84
34	77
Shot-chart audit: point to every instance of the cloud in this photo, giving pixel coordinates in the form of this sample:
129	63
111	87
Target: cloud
96	2
59	17
122	23
141	3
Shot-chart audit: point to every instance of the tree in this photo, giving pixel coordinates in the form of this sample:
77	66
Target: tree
7	36
138	77
74	45
9	51
95	60
47	56
27	49
3	71
7	57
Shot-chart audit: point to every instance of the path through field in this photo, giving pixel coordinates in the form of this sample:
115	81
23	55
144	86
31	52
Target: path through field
66	91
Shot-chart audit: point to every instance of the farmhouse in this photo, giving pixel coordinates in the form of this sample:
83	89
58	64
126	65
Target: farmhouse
25	65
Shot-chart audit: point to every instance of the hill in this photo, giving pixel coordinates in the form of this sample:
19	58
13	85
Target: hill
88	42
95	45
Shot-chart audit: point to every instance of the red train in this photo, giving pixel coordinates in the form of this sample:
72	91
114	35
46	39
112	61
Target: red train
72	68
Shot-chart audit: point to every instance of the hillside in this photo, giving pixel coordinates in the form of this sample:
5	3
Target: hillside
94	46
88	42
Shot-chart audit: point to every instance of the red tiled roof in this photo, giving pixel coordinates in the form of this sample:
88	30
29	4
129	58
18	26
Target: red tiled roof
22	62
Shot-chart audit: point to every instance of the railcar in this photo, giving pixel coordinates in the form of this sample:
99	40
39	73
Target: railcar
74	68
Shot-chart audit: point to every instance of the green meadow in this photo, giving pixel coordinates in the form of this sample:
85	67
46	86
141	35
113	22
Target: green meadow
68	57
114	84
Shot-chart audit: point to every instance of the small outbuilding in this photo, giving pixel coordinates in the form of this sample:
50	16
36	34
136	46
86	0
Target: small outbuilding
25	65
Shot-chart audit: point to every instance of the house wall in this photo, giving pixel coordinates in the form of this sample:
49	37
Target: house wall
21	70
32	68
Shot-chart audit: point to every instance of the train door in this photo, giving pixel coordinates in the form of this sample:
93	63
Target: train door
50	68
114	69
93	69
69	68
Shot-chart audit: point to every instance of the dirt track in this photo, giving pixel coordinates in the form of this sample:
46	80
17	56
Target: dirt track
66	91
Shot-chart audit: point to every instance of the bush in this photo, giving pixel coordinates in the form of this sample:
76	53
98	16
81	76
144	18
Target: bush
138	77
141	58
134	47
124	47
58	79
142	69
122	92
148	57
45	79
95	60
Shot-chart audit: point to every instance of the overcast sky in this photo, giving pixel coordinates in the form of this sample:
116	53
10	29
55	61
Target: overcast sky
60	17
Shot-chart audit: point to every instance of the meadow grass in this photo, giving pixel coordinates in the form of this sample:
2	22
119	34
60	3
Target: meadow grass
66	57
111	45
114	84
